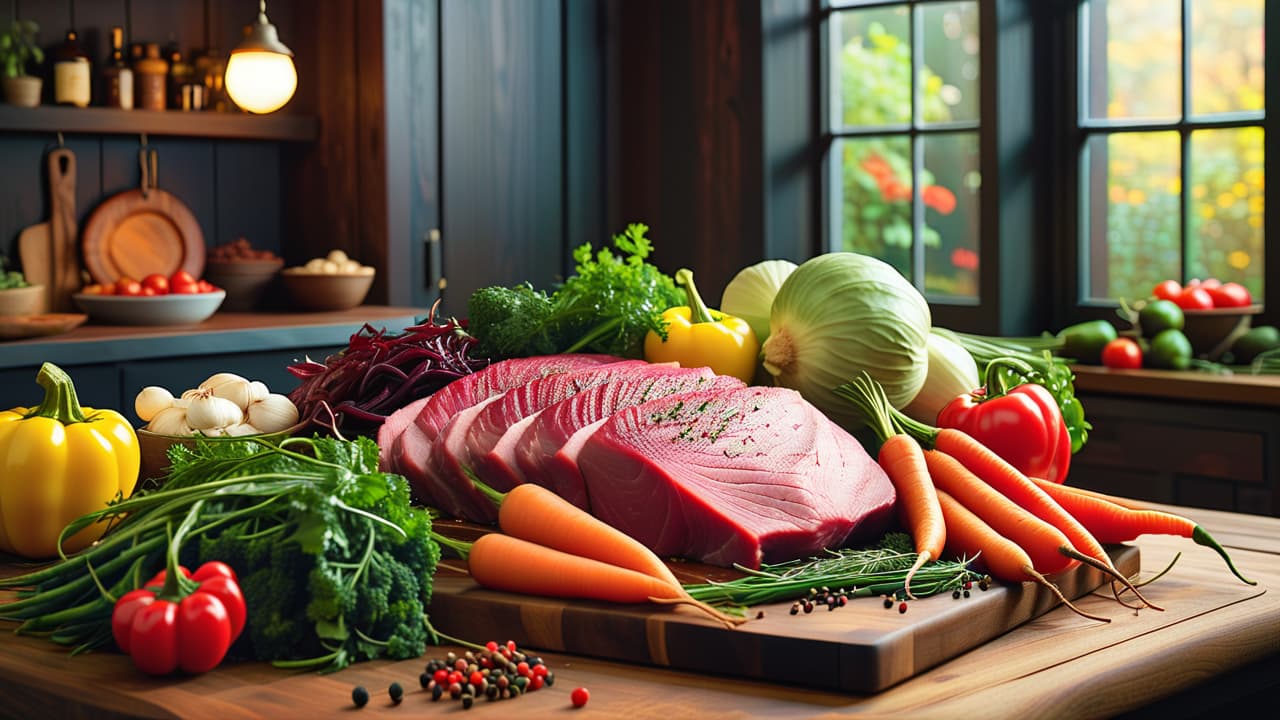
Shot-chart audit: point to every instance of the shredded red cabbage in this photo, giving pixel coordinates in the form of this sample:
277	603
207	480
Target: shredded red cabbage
380	372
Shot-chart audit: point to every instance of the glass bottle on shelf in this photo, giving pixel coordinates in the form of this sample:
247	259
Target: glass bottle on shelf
117	76
180	73
152	74
72	75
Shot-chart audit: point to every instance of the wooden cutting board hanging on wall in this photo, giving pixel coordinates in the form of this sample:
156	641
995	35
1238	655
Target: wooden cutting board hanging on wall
48	250
139	232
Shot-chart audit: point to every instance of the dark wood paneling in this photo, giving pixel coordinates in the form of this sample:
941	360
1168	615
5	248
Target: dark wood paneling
96	387
371	151
247	193
502	155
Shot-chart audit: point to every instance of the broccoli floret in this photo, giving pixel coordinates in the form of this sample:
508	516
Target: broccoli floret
510	321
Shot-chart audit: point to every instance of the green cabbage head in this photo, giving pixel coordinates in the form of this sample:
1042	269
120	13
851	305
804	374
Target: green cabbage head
839	314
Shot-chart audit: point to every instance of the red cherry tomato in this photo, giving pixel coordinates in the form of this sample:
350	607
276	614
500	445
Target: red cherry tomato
149	292
1194	298
1122	353
205	286
1230	295
182	283
158	283
1168	290
1210	283
128	286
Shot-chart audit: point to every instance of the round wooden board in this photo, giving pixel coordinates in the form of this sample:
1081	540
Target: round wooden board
130	235
16	327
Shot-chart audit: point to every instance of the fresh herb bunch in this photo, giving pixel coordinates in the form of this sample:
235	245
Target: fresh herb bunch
335	564
865	572
10	279
608	306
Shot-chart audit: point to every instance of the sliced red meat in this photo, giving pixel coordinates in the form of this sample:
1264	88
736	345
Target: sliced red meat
409	454
518	403
546	451
741	476
391	429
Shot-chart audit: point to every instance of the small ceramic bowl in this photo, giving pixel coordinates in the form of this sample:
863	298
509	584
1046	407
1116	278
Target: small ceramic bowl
326	291
244	280
29	300
1211	332
178	309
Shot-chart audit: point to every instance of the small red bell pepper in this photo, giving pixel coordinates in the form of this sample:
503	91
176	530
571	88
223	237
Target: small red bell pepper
1021	424
181	620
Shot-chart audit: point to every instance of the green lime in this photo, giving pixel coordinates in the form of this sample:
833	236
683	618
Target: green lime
1083	342
1170	350
1257	340
1159	315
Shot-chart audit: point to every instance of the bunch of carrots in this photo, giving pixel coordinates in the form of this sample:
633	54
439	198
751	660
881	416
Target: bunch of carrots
958	497
552	548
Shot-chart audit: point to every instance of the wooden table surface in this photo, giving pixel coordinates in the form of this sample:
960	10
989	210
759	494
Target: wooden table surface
1217	640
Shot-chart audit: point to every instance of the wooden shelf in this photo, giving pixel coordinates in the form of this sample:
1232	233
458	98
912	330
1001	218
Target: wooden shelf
112	121
1180	385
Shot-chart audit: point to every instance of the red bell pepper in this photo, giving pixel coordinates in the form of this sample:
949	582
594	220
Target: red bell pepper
1021	424
181	621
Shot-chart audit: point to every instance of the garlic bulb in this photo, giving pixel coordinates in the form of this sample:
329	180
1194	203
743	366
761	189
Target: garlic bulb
231	387
150	401
257	391
170	421
240	430
273	413
207	411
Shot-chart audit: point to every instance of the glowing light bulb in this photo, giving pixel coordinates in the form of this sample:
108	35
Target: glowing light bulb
260	81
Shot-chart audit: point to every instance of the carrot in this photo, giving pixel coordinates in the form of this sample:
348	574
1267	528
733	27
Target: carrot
532	512
969	536
1111	522
510	564
902	459
1043	543
1013	484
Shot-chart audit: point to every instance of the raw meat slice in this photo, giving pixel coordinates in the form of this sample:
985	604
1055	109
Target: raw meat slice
409	455
391	429
730	477
546	451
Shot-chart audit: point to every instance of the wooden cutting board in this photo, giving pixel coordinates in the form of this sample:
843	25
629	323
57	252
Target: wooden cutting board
862	647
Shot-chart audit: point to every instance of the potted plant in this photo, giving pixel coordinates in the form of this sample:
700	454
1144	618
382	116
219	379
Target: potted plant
17	48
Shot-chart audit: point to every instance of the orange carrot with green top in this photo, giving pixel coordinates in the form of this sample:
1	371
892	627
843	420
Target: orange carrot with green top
902	459
969	536
1111	522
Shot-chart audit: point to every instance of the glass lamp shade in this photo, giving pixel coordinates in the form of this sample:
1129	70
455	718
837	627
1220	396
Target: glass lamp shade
260	81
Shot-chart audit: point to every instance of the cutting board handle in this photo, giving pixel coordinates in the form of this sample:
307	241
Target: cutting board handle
62	221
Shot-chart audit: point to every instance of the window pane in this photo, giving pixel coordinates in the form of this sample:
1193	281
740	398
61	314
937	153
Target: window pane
949	190
1133	60
876	210
872	67
1226	210
1226	56
949	77
1131	186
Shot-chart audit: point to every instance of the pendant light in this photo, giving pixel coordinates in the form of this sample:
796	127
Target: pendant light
260	74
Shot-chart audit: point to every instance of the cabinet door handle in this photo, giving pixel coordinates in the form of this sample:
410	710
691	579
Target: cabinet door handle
435	281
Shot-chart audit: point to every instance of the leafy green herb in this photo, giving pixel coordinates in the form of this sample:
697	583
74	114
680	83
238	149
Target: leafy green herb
335	564
863	572
10	279
608	306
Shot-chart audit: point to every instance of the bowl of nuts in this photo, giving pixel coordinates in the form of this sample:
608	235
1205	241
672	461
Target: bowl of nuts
332	282
244	271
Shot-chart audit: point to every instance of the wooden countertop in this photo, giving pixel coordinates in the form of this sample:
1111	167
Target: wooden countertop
1058	665
1239	388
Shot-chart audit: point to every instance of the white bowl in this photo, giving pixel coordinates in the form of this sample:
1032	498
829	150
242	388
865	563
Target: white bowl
178	309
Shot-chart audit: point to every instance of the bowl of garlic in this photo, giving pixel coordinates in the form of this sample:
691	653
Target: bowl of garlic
224	406
332	282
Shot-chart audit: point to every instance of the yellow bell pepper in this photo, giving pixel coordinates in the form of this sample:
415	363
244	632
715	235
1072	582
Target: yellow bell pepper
700	337
59	461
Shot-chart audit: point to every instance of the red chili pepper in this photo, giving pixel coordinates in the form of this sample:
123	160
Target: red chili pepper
186	623
1021	424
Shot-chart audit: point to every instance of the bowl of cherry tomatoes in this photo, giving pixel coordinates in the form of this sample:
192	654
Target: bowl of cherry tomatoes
177	299
1215	313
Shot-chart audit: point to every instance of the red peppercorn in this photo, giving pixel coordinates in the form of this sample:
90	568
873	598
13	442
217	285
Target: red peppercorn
523	669
536	682
476	678
902	607
454	677
441	677
579	697
540	670
491	646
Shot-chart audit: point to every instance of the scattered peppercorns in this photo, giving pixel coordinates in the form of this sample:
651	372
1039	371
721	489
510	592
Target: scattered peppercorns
396	691
579	697
360	696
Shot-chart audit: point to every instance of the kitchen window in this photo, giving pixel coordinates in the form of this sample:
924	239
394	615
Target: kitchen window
1171	115
903	137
